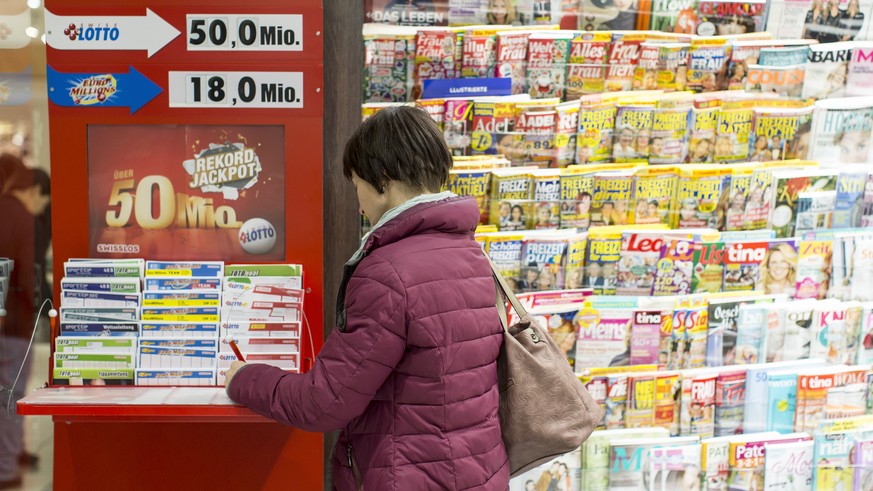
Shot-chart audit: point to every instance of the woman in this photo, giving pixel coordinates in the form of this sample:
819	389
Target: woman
410	372
852	21
501	12
779	270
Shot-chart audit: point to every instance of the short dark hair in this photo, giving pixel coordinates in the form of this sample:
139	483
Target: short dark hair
401	143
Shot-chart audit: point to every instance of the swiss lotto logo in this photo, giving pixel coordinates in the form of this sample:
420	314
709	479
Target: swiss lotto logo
92	32
95	89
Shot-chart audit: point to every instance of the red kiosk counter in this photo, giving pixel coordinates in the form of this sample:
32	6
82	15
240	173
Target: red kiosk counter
139	91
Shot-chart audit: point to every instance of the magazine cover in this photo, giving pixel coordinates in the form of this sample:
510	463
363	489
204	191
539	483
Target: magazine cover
629	460
781	400
722	331
646	71
815	211
707	67
668	387
751	334
849	199
788	467
672	72
730	399
699	192
842	130
724	17
493	122
824	22
863	464
744	53
587	69
604	254
543	264
747	459
678	344
610	204
704	125
547	199
774	132
797	334
566	124
595	134
479	59
609	15
827	70
675	268
654	188
640	251
825	317
786	81
823	394
434	57
708	267
734	131
577	247
859	82
675	468
788	185
474	183
616	400
595	453
777	273
759	198
813	269
832	468
577	188
506	252
389	63
604	332
512	58
536	126
624	55
697	416
741	181
640	400
646	336
867	204
547	57
633	131
861	272
743	263
458	125
510	200
563	473
669	144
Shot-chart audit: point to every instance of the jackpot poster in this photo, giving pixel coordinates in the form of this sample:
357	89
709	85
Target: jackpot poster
176	192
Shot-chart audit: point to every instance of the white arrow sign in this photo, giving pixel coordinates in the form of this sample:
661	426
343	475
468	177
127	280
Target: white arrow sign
116	32
12	30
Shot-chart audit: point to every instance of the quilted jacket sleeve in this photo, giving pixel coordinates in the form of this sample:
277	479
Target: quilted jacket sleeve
351	366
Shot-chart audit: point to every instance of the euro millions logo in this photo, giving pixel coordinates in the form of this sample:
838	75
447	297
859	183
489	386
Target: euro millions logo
72	32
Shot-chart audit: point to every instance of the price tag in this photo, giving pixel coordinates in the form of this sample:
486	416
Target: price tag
236	89
230	32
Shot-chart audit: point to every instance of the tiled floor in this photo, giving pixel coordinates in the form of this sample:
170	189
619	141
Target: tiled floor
39	434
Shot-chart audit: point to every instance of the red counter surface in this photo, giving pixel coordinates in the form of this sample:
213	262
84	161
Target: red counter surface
171	438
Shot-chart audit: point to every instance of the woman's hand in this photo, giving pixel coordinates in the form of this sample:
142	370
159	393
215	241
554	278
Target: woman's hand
234	367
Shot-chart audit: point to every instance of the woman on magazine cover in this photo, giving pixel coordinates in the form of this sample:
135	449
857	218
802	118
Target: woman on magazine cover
410	371
779	270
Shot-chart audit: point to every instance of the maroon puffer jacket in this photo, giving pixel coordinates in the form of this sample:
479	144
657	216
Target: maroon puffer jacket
410	372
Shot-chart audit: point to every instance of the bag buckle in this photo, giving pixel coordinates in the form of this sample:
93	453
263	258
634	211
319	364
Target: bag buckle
534	337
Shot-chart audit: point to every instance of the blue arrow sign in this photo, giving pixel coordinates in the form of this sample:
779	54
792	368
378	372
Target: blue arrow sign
16	88
131	89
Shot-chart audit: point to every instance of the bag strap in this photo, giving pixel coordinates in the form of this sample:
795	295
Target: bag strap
504	291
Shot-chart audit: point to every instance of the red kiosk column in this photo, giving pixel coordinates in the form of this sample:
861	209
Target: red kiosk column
184	131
